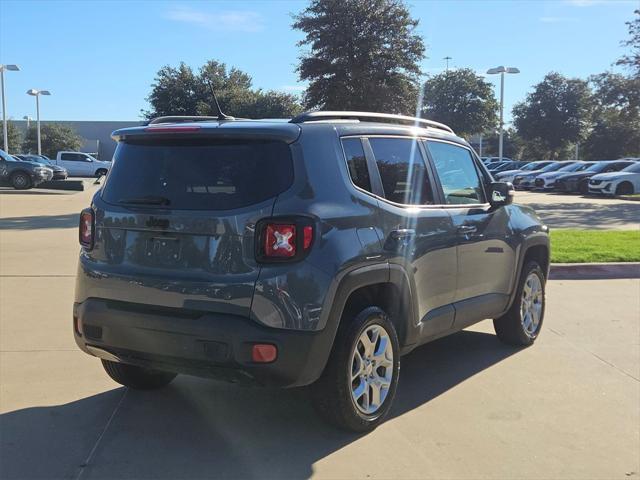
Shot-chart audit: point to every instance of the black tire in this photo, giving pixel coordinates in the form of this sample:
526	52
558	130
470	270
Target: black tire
331	393
583	187
624	188
510	327
101	172
138	378
21	181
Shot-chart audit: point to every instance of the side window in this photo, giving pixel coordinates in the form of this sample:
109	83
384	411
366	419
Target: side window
402	171
457	172
357	163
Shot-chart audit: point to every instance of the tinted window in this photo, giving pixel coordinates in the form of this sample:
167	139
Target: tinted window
357	163
74	157
402	170
199	174
457	172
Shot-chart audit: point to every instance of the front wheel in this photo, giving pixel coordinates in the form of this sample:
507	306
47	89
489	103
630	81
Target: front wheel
625	188
21	181
357	387
138	378
522	323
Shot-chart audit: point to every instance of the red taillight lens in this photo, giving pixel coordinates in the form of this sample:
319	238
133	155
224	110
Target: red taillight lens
280	240
86	228
264	353
308	236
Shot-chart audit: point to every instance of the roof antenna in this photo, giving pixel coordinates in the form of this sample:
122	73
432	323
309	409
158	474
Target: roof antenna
221	116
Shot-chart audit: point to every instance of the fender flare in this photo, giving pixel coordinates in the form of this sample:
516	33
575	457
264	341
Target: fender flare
539	238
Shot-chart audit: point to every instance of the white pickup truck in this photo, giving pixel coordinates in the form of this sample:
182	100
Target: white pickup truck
81	164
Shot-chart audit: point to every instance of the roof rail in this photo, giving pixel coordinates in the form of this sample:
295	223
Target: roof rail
184	119
369	117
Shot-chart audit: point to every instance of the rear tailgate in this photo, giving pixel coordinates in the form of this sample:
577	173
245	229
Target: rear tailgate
175	221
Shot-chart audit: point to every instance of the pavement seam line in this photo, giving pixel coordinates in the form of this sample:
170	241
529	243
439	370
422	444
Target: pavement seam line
85	464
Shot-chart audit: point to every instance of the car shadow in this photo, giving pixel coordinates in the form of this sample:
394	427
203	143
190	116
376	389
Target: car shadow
587	215
197	428
38	222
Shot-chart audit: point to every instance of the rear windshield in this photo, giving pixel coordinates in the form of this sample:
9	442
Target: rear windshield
201	174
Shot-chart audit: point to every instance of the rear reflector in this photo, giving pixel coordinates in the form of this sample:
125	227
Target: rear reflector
86	228
176	129
264	353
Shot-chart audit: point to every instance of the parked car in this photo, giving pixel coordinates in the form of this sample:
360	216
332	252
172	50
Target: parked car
300	253
489	160
20	174
546	181
59	173
526	181
81	164
509	175
624	182
515	164
578	182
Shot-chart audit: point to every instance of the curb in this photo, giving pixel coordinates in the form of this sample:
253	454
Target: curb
594	271
73	185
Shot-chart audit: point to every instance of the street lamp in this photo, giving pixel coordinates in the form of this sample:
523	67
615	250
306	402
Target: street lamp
12	68
28	119
501	70
36	93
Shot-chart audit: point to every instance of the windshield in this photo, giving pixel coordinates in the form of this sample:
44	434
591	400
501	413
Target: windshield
597	167
202	174
572	167
552	167
635	168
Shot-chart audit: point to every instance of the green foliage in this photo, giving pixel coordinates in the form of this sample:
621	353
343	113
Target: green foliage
511	142
14	137
462	100
53	138
555	115
632	60
363	55
586	246
180	91
616	129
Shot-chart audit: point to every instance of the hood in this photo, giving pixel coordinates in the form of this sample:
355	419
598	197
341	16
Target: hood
612	175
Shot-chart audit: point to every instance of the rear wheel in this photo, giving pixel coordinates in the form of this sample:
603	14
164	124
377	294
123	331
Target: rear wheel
522	323
357	387
138	378
583	188
101	172
625	188
21	181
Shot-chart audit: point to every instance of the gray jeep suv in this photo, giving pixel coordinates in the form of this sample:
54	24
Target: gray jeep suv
311	252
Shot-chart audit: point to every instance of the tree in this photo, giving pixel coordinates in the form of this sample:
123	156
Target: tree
555	115
180	91
363	55
462	100
616	130
54	138
512	145
14	137
632	60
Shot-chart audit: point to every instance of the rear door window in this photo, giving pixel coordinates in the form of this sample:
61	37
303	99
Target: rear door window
402	171
200	174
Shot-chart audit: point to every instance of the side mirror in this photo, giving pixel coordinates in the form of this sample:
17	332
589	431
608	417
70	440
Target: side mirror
501	194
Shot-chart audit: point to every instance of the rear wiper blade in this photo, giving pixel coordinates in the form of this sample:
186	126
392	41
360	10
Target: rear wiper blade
146	200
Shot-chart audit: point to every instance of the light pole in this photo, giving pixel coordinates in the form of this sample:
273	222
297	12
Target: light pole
447	58
37	93
12	68
501	70
28	119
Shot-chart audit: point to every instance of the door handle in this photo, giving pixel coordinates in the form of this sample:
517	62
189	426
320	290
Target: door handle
467	229
403	233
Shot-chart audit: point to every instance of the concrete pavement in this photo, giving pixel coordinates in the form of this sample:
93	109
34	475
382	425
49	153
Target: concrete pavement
467	406
584	212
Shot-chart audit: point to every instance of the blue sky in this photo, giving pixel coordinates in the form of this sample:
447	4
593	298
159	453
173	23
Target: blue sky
98	58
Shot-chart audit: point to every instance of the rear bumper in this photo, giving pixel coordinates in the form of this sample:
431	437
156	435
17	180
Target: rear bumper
198	343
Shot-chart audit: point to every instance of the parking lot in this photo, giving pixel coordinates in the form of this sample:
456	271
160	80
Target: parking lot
467	406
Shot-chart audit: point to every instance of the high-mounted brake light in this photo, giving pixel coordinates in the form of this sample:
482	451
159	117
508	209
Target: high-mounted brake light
174	129
284	240
86	230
